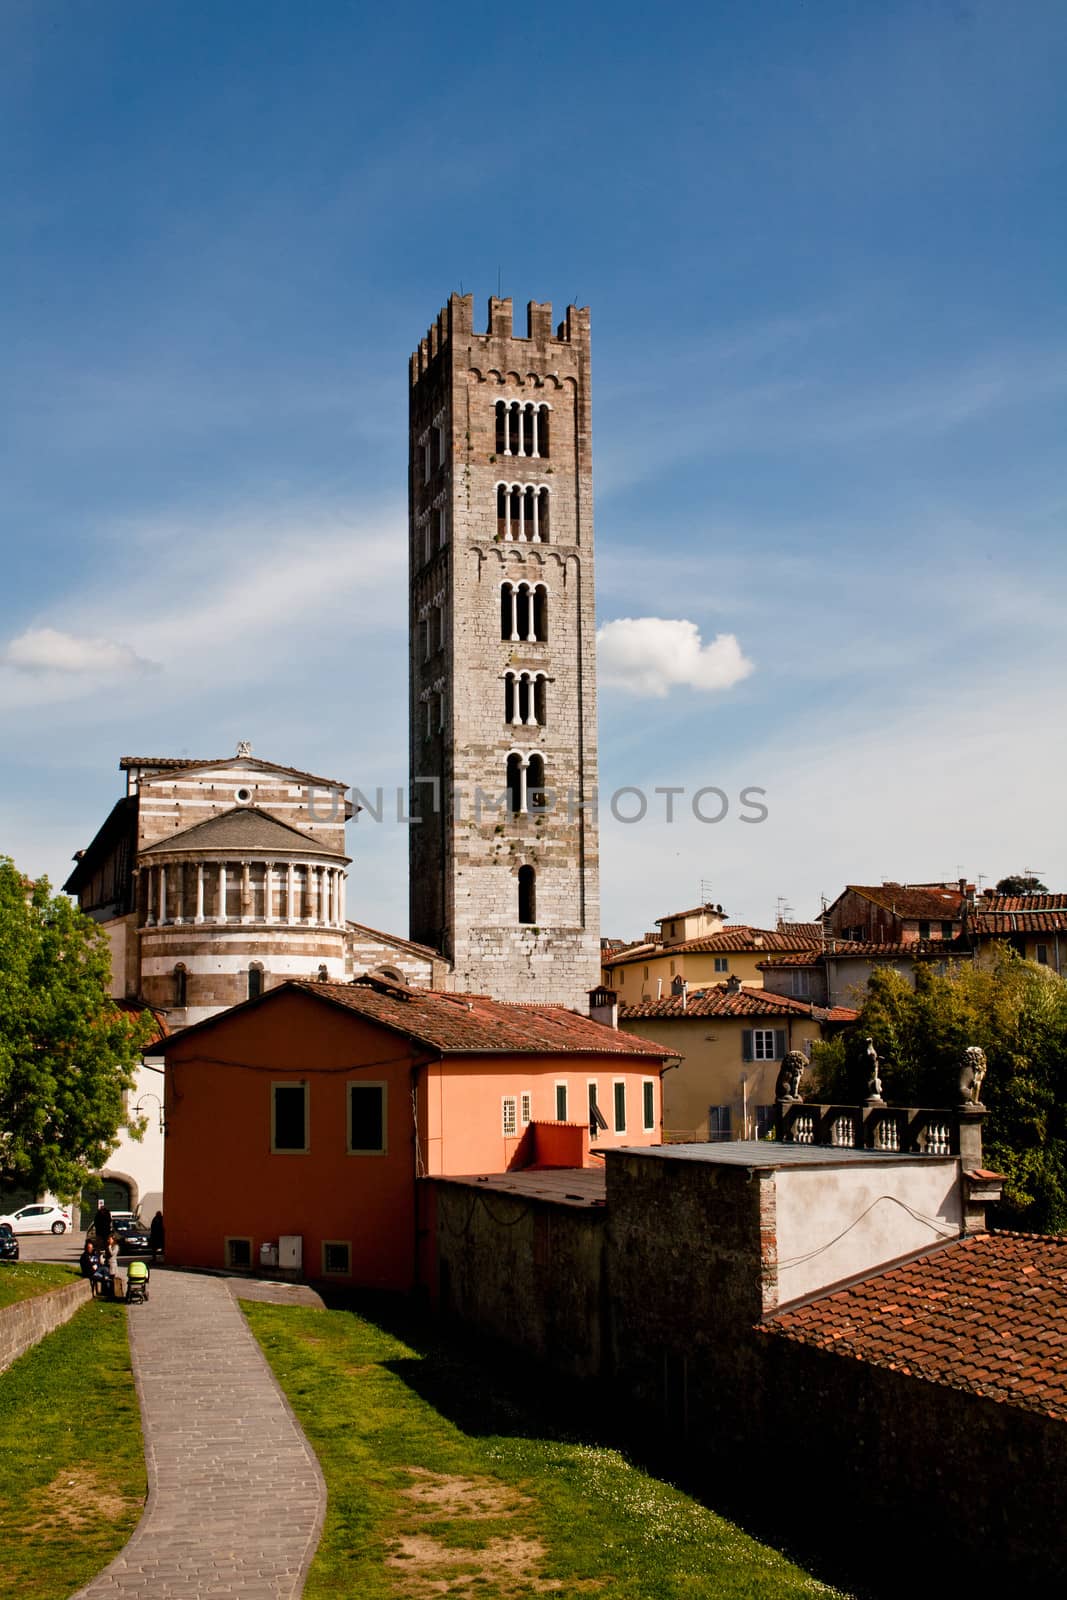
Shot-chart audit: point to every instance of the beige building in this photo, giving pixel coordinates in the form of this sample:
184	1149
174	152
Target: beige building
732	1040
503	755
701	948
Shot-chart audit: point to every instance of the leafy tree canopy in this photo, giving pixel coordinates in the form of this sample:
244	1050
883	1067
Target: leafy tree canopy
1021	883
67	1051
1017	1012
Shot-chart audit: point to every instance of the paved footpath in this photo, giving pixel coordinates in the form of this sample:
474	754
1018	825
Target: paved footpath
235	1495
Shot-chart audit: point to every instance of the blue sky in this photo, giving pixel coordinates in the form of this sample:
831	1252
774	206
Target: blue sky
824	251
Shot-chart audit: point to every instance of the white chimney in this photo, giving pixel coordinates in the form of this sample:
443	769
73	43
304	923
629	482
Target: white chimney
604	1006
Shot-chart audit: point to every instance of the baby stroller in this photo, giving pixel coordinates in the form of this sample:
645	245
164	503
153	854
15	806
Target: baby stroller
137	1276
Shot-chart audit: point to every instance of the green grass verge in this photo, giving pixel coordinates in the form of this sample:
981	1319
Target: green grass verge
441	1479
22	1280
72	1473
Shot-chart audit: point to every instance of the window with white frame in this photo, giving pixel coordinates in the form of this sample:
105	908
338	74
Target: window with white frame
525	1107
366	1119
763	1044
336	1258
288	1118
648	1105
618	1096
509	1116
561	1102
597	1120
722	964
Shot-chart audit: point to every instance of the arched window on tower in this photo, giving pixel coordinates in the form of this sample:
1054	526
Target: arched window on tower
539	630
255	981
527	895
535	783
502	428
515	784
181	985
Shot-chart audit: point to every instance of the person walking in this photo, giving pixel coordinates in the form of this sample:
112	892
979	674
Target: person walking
102	1224
156	1236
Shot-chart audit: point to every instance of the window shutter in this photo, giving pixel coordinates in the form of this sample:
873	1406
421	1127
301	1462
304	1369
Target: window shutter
746	1044
779	1043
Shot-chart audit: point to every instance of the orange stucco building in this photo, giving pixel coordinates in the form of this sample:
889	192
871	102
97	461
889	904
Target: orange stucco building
304	1119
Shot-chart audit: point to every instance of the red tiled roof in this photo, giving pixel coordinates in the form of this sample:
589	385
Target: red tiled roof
927	901
846	949
811	932
720	1000
135	1008
999	923
987	1314
1022	902
739	939
473	1024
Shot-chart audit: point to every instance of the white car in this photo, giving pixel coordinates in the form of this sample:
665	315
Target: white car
39	1219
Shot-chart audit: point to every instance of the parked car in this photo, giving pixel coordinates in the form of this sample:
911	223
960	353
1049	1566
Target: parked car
9	1245
131	1233
39	1219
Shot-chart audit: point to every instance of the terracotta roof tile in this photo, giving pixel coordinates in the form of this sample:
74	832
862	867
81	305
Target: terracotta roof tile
475	1024
720	1000
986	1314
1022	902
737	939
1022	921
242	828
927	901
863	949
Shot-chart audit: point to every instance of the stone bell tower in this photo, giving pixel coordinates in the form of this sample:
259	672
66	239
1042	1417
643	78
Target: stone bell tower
503	852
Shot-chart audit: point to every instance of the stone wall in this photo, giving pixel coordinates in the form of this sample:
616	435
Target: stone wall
911	1475
524	1271
465	866
27	1321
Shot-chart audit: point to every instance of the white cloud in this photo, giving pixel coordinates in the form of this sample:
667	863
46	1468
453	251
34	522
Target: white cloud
648	656
51	650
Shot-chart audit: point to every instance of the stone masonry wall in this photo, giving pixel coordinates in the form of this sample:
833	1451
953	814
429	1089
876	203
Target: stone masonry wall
524	1271
899	1466
27	1321
464	867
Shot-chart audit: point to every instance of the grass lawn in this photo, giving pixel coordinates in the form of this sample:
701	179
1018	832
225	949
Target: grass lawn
488	1501
72	1474
21	1280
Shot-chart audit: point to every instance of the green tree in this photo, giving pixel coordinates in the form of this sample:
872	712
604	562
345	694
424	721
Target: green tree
1021	883
1017	1013
67	1051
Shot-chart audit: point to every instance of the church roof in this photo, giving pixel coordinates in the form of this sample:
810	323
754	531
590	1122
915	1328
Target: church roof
186	764
242	828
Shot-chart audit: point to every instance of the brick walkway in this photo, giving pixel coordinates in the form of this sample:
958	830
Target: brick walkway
235	1495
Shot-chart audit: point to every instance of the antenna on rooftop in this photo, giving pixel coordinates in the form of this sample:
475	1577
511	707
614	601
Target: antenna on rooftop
705	891
783	911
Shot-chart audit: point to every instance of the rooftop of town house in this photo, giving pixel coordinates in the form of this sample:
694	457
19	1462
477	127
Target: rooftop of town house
986	1314
925	901
1021	921
188	764
242	828
706	910
770	1154
810	932
737	939
454	1024
581	1187
868	950
727	1000
991	901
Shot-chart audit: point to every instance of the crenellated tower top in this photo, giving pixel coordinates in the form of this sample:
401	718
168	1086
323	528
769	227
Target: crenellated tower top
456	321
